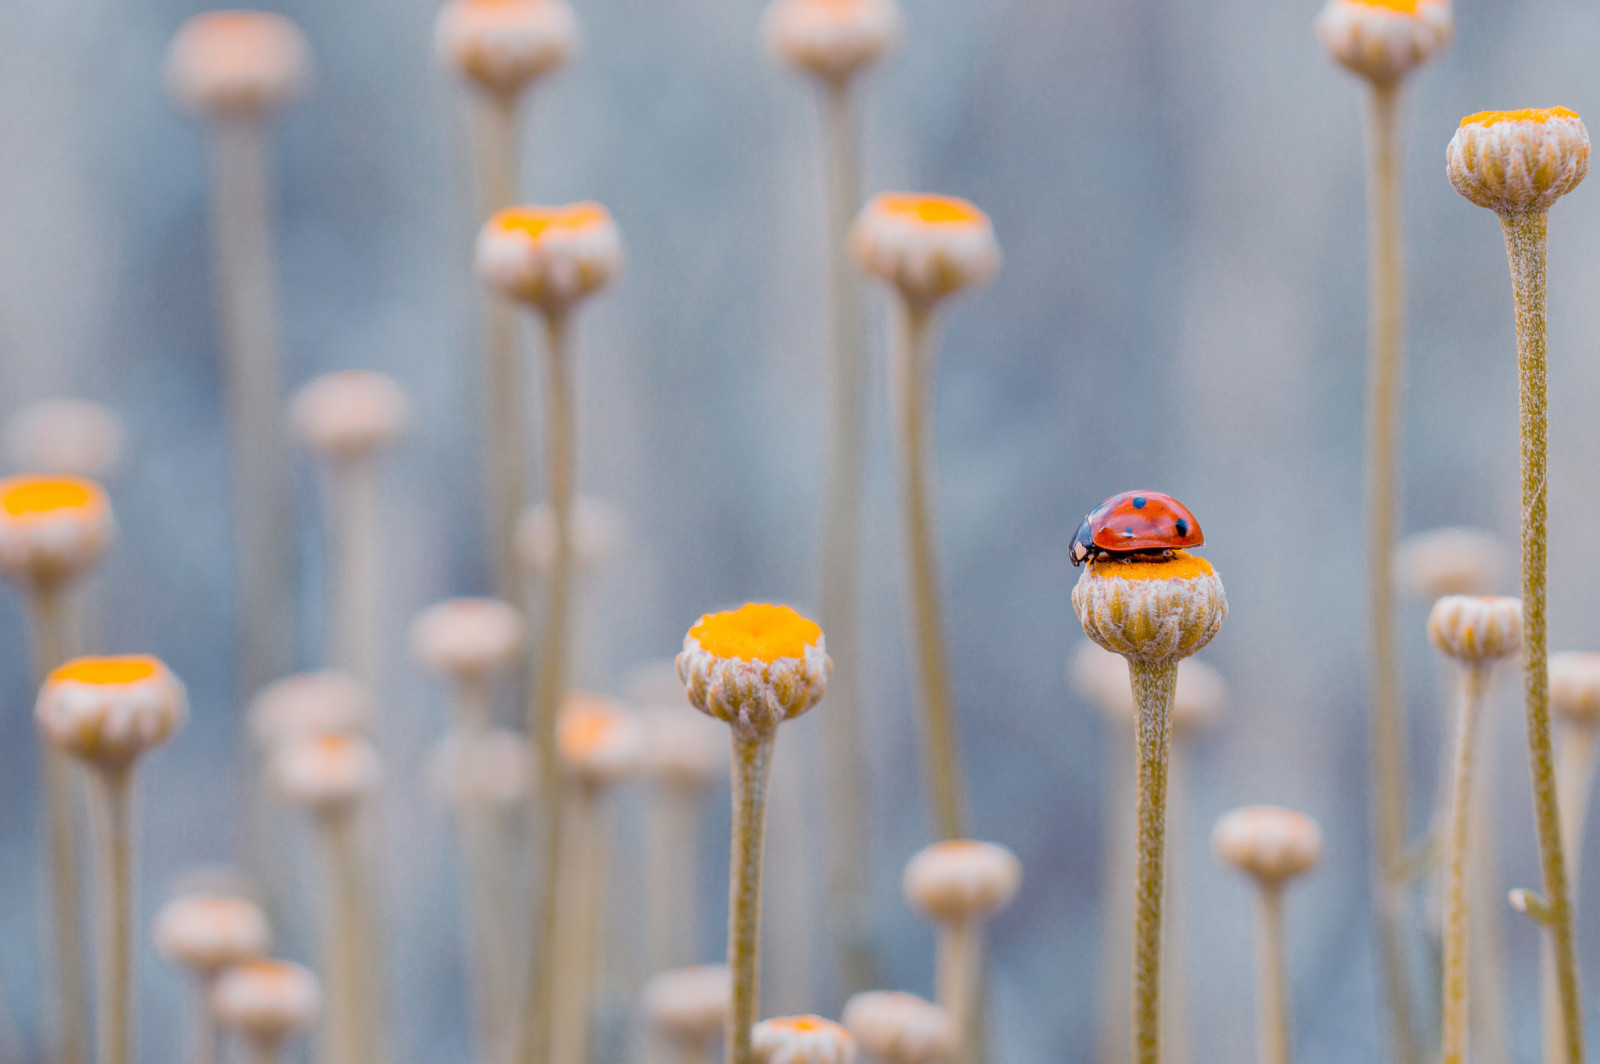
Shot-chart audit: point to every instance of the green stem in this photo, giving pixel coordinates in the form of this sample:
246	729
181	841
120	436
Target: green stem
1273	975
752	770
1454	990
913	369
115	843
1388	734
1153	686
1526	236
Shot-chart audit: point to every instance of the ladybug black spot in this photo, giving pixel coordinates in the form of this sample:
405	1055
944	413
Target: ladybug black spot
1128	531
1182	527
1138	502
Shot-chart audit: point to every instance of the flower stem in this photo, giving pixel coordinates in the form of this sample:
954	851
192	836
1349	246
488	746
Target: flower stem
353	631
841	558
1272	975
1153	686
913	368
115	844
1574	778
752	769
505	444
1526	237
671	842
1388	733
206	1035
550	684
958	982
577	942
49	651
263	1051
1454	991
341	935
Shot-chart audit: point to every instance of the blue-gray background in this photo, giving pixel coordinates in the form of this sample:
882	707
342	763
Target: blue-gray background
1179	192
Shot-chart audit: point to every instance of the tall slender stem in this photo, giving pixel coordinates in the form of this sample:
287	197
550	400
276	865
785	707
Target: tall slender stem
1454	990
1574	778
1526	237
115	844
1386	285
49	651
505	443
551	682
958	981
752	769
913	369
206	1034
1116	906
341	936
671	844
1153	686
841	556
264	594
353	629
263	1051
578	937
1272	975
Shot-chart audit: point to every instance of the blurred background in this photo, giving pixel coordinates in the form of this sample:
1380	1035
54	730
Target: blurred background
1179	193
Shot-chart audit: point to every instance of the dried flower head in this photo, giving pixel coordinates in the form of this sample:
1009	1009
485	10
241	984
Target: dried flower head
1102	676
237	64
899	1028
1513	162
596	532
209	932
1269	842
328	773
481	769
467	640
1160	609
754	667
51	528
961	879
550	257
1382	40
1451	561
1575	687
1476	629
108	711
68	437
350	415
929	247
601	743
266	1001
503	46
802	1040
310	703
689	1006
683	748
833	39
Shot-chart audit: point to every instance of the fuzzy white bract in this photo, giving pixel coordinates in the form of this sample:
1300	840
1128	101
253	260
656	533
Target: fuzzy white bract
1383	41
928	247
833	39
502	46
108	711
958	880
1515	162
1268	842
550	257
237	64
1476	629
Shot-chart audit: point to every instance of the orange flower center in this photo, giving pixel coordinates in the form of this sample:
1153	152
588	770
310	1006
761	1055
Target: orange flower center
585	726
1405	7
45	495
129	669
756	632
931	210
800	1023
536	221
1181	566
1536	115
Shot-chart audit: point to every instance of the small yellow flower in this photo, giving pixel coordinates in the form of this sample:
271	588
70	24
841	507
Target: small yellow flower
1514	162
802	1040
833	39
1268	842
601	742
108	711
929	247
327	773
755	666
237	64
266	1001
550	257
1384	39
502	46
209	932
1152	609
51	528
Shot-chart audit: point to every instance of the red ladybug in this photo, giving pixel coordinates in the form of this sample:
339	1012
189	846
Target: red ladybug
1136	523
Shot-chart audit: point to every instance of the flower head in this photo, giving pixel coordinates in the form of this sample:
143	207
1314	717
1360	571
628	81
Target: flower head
596	533
310	703
832	39
1384	39
929	247
466	640
328	773
1476	629
600	742
550	257
502	46
900	1028
754	667
1150	609
1575	687
959	880
802	1040
689	1005
1514	162
51	528
350	415
683	748
210	932
108	711
237	64
266	1001
481	769
1271	843
1450	561
70	437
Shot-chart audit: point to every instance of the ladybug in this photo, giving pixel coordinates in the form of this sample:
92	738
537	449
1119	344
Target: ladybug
1136	523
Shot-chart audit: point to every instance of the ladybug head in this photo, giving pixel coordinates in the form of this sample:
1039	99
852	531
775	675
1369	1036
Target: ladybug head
1083	543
